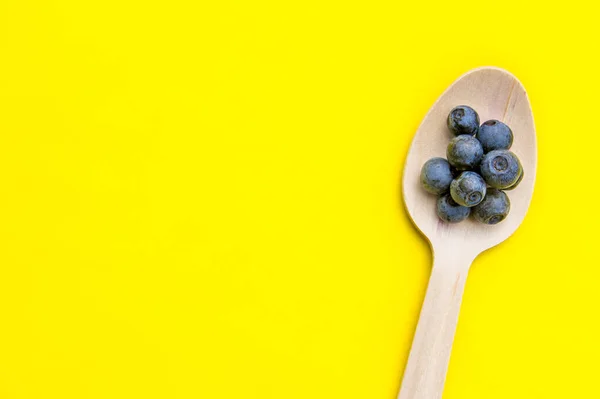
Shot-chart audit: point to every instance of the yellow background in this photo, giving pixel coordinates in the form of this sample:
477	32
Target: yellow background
201	199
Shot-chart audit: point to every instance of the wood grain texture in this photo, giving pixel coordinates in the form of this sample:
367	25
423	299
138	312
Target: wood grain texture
494	94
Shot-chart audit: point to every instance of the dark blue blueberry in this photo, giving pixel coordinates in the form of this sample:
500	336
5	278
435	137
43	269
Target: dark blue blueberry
449	211
494	135
464	152
468	189
494	208
436	176
463	120
501	168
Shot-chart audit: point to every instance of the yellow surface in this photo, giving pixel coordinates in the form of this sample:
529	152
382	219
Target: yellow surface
201	200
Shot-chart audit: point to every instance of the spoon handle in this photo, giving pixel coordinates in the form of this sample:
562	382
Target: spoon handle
425	372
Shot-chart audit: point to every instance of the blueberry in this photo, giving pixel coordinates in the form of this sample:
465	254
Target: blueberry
449	211
495	135
501	168
518	181
463	120
464	152
436	176
494	208
468	189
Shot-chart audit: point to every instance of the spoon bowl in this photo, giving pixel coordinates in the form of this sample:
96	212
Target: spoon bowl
495	94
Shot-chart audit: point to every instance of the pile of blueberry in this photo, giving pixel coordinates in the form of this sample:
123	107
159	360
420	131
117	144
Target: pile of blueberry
479	167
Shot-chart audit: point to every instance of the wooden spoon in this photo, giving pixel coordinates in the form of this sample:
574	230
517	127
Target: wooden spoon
495	94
